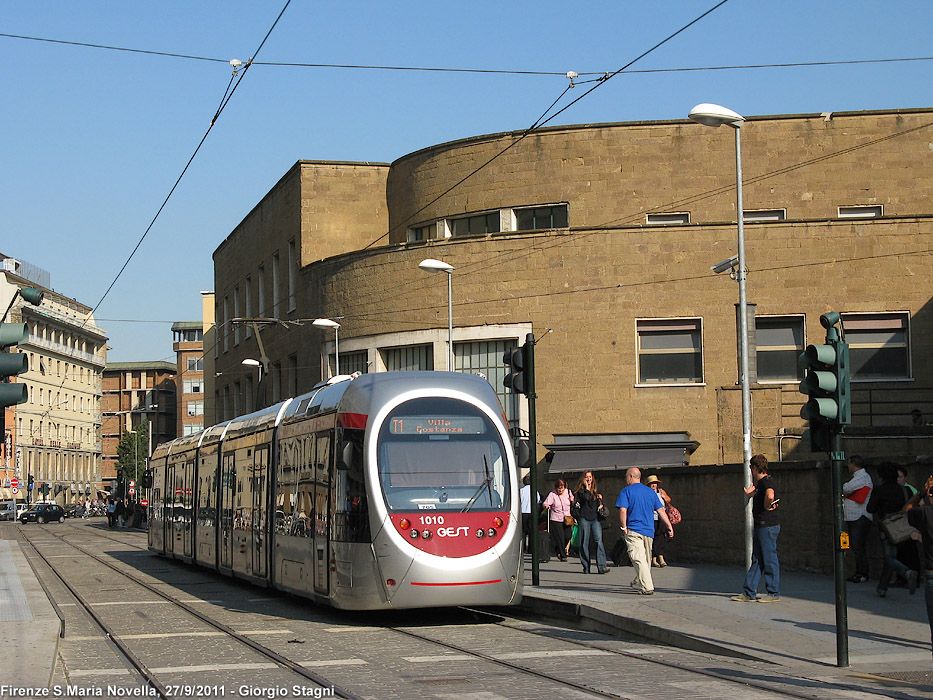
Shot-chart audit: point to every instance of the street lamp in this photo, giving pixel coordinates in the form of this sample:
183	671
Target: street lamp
715	116
250	362
431	265
328	323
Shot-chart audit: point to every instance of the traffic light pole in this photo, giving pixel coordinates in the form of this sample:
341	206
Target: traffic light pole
841	539
532	447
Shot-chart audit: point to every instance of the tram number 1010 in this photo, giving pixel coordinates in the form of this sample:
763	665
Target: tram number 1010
432	519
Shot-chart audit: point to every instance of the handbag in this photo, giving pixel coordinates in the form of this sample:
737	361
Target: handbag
896	528
568	520
673	514
602	512
575	508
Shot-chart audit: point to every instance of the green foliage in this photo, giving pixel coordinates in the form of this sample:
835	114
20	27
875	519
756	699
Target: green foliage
132	451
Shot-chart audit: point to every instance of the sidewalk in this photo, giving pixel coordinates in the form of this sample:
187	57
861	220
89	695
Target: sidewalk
692	609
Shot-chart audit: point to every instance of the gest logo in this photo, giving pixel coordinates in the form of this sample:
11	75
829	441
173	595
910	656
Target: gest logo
453	531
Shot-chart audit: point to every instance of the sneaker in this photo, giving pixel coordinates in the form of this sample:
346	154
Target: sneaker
647	592
769	599
604	571
857	578
913	580
742	598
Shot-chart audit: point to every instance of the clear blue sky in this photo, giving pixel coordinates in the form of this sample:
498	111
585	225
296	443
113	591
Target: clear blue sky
94	139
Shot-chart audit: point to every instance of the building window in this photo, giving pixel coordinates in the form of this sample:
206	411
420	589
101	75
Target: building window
674	217
292	276
670	351
861	211
541	218
248	304
484	357
195	408
236	314
878	345
779	341
193	386
351	362
261	309
196	364
475	225
421	233
191	428
276	282
414	357
764	215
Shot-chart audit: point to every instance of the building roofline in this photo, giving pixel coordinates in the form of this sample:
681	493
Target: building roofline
129	366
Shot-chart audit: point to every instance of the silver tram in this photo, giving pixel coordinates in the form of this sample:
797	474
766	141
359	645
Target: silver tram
388	490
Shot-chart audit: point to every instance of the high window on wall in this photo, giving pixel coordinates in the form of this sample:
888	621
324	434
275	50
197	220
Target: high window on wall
414	357
779	340
879	345
485	357
541	217
350	362
670	351
292	276
475	225
671	217
421	233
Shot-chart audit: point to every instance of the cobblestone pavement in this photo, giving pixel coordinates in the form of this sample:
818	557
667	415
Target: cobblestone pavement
367	653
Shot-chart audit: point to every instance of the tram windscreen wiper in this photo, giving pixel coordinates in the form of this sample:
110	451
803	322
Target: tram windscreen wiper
487	484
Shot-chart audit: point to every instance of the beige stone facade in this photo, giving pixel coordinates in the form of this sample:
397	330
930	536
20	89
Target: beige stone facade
837	218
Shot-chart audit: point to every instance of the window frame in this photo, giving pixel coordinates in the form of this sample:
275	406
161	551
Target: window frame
680	323
802	319
763	215
859	211
667	218
854	318
517	212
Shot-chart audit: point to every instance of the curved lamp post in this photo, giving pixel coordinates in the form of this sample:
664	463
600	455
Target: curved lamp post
328	323
715	115
431	265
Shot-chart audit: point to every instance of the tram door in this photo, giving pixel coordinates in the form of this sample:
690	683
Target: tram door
322	474
227	488
169	509
260	471
187	511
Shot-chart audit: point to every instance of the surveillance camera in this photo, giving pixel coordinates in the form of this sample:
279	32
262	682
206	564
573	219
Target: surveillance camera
725	265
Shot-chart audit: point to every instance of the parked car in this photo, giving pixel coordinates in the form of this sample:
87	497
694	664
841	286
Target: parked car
43	513
12	511
74	510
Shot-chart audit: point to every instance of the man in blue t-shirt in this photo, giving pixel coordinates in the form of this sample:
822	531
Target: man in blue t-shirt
637	505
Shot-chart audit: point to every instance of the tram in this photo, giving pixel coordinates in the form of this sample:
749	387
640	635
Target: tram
385	490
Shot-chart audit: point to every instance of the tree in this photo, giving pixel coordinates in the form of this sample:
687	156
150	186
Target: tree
132	452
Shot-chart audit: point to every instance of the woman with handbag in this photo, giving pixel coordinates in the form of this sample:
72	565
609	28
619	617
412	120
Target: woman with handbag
660	529
587	504
560	521
888	500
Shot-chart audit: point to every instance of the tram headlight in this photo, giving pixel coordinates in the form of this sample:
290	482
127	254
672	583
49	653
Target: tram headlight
404	523
414	534
480	533
491	532
426	535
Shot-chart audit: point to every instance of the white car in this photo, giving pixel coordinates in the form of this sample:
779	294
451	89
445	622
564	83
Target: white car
12	511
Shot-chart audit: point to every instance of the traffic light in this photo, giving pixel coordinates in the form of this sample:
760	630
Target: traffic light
14	363
826	383
146	480
521	364
29	482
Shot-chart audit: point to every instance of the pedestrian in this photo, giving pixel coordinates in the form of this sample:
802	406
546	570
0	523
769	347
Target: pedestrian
111	512
119	511
560	521
766	528
637	504
887	499
908	551
525	497
660	532
921	517
856	492
591	529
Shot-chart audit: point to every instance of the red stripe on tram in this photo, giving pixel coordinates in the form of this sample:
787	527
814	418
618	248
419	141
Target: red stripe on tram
465	583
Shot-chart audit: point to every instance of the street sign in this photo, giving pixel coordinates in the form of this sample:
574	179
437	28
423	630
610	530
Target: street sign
14	490
14	483
144	502
131	491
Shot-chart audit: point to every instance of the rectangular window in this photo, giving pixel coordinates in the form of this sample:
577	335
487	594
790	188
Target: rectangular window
195	408
861	212
414	357
351	362
674	217
236	314
484	357
779	340
421	233
670	351
248	304
292	277
541	217
764	215
475	225
196	364
193	386
878	345
261	309
224	325
276	283
192	428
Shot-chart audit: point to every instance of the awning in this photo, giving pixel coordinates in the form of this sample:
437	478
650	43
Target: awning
604	451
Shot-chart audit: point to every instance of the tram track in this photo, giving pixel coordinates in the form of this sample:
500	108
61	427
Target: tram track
126	653
450	638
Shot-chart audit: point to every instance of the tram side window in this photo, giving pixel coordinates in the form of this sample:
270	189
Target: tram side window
351	520
322	482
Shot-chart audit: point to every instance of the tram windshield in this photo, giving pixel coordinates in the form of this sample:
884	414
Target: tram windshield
444	455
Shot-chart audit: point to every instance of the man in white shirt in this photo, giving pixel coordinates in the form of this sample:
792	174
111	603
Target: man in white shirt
856	492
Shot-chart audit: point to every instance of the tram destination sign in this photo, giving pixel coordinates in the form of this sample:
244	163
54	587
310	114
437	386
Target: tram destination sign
437	425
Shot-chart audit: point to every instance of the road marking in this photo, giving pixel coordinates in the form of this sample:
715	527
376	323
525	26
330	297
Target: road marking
216	667
333	662
549	654
436	659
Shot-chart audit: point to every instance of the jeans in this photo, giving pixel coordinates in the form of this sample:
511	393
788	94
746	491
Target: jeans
928	594
858	533
594	529
764	561
891	563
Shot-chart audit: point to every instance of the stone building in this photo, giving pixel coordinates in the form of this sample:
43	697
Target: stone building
599	239
54	437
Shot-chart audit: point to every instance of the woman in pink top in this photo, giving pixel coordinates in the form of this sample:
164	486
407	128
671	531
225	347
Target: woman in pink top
561	523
